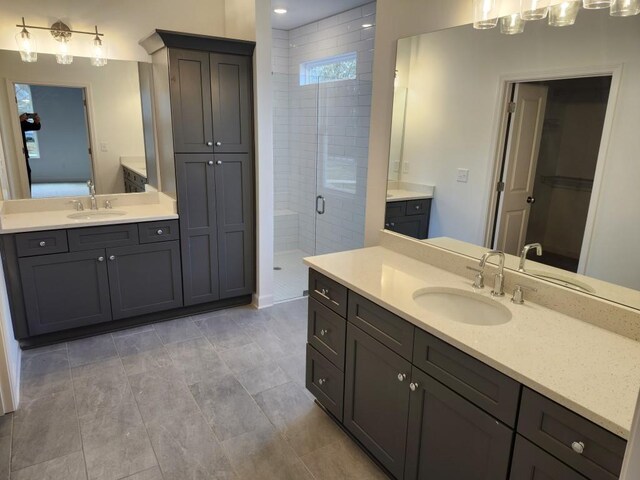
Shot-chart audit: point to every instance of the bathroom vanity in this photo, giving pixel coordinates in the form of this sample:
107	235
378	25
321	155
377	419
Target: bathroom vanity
433	391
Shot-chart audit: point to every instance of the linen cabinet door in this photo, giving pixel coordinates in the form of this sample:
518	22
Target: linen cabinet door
65	290
231	102
144	278
451	438
191	115
376	399
235	223
198	229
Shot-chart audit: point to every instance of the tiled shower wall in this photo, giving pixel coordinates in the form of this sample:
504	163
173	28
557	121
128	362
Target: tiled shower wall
315	125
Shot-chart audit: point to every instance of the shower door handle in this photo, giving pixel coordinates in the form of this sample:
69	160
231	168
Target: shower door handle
320	204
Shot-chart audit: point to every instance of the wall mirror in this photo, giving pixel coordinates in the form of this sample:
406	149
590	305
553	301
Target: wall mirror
521	139
91	120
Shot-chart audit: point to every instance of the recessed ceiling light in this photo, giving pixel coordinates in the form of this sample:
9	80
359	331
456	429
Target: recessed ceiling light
367	25
280	11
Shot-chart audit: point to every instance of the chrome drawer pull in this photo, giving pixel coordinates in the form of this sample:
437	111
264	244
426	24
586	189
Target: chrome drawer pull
325	294
43	244
578	447
322	381
160	232
323	332
402	377
413	386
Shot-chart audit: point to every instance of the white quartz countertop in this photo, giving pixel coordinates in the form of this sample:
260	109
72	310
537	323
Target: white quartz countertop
134	207
592	371
135	165
397	195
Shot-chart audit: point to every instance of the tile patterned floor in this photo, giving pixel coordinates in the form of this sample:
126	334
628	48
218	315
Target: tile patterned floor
293	277
213	396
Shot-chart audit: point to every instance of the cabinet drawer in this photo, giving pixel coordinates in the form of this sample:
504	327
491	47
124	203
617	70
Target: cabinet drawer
418	207
41	243
325	381
103	237
395	209
163	231
384	326
558	430
532	463
328	292
489	389
326	332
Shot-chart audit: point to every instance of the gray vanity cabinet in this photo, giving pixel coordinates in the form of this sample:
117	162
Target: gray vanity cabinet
409	217
376	398
533	463
65	290
450	438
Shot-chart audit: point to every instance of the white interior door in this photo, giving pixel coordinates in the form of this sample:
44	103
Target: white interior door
523	146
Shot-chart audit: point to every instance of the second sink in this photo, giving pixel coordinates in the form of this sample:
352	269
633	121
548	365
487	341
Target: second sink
462	306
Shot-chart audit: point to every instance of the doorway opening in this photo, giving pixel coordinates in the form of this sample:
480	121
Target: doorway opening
552	143
56	141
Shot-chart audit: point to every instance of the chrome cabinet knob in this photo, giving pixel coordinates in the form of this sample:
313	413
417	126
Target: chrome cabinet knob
413	386
43	243
209	144
392	224
101	259
218	144
322	381
386	225
210	162
417	207
219	162
160	232
402	377
323	332
578	447
324	291
112	257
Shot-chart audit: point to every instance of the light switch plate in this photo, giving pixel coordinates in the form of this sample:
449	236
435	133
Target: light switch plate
104	147
405	167
463	175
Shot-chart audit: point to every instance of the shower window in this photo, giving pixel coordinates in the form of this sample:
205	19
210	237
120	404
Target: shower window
329	69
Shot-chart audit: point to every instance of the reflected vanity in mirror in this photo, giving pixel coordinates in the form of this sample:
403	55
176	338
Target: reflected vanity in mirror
523	139
90	127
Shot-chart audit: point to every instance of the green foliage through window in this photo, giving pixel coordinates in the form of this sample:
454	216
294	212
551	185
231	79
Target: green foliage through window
330	69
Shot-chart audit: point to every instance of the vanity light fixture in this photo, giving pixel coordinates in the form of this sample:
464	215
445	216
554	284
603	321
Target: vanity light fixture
594	4
625	8
280	11
485	14
512	24
533	9
62	34
564	13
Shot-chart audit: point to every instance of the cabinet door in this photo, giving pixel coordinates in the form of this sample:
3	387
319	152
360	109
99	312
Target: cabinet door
231	100
451	438
65	290
144	278
198	231
376	399
533	463
190	89
235	224
411	225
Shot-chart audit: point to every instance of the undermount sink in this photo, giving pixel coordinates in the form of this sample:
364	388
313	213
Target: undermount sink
562	280
92	215
462	306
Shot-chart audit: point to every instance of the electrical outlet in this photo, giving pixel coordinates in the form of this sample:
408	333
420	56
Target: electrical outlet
463	175
104	147
405	167
396	166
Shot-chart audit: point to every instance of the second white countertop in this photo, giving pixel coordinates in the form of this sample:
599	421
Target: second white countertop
592	371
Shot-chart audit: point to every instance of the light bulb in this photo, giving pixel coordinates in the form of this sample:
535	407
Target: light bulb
98	53
625	8
27	47
564	14
64	57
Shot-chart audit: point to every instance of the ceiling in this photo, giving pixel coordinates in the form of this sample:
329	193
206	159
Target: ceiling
301	12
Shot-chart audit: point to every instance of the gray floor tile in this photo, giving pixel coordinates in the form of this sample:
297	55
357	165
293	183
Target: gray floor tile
69	467
6	423
5	457
141	352
295	366
116	443
151	474
223	332
264	455
228	408
263	378
248	316
247	357
45	349
293	412
131	331
188	449
177	330
44	373
342	460
162	394
197	360
91	350
100	386
44	429
274	344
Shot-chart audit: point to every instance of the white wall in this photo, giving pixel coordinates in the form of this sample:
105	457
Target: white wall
114	110
453	116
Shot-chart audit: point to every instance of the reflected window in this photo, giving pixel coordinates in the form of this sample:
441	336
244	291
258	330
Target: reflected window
340	173
25	105
329	69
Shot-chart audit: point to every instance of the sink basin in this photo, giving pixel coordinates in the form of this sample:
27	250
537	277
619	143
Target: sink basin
562	280
93	215
462	306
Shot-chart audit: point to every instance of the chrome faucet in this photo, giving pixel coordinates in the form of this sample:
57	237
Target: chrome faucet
498	281
525	251
92	195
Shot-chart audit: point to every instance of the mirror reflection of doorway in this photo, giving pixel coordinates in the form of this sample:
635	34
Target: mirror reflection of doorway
59	152
549	164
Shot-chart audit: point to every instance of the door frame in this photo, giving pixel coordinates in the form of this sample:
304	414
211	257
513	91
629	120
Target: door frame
499	143
23	181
